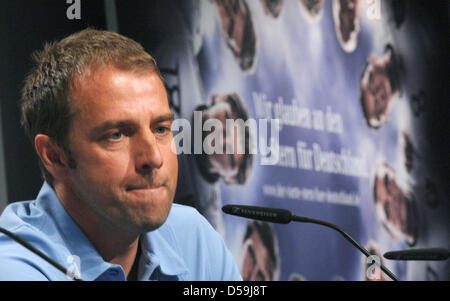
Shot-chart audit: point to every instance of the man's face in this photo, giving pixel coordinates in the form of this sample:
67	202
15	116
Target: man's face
232	16
121	140
393	200
256	265
226	163
348	17
377	93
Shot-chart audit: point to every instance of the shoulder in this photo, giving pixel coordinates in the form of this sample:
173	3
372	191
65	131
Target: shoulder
19	268
202	248
185	223
24	220
185	220
18	263
186	216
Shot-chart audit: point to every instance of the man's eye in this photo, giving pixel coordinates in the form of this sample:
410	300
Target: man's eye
116	136
161	130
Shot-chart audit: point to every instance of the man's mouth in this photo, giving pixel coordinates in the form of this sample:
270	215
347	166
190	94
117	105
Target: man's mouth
144	187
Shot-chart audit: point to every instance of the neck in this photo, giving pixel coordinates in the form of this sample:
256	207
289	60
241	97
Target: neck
113	243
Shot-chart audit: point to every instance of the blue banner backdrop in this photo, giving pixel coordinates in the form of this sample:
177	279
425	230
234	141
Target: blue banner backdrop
349	82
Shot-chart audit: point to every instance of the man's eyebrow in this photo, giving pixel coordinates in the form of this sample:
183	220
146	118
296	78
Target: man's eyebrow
112	124
165	117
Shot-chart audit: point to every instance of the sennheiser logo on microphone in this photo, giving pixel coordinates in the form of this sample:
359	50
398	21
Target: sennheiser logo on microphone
254	212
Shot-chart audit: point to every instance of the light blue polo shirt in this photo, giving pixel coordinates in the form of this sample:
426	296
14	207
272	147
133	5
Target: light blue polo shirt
185	247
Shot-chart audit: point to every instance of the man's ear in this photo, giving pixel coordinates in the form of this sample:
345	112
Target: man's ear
52	156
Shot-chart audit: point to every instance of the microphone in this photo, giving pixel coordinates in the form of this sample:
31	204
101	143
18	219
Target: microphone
272	215
31	248
283	216
434	254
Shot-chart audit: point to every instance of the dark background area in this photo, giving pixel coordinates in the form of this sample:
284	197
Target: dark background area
25	25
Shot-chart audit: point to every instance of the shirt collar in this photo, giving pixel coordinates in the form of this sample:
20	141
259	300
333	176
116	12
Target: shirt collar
157	246
92	264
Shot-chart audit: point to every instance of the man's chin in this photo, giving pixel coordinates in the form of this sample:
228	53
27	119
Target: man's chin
148	224
144	220
142	227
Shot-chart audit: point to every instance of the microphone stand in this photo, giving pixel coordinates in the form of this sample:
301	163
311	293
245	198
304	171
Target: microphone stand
303	219
30	247
283	216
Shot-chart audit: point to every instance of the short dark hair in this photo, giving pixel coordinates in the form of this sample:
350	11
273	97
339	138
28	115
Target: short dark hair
392	72
45	103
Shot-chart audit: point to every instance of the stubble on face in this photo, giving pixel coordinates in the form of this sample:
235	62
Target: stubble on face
121	140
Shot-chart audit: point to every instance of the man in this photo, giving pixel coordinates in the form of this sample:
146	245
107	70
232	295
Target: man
261	258
234	163
200	173
97	112
347	23
395	209
239	32
177	57
379	85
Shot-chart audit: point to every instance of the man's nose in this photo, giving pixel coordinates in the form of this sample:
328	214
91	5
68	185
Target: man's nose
148	153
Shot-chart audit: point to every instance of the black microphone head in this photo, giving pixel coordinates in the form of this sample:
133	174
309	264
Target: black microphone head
272	215
419	254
